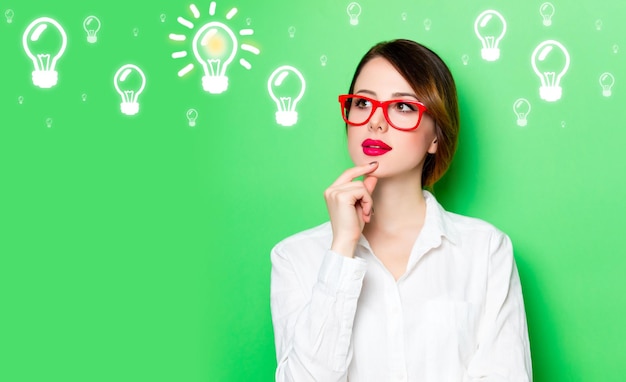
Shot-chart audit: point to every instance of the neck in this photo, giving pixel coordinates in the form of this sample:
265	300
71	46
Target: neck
398	204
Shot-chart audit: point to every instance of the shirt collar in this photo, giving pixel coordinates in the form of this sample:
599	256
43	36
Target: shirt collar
437	221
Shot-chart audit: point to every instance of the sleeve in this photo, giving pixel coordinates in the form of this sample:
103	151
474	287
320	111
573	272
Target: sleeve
313	324
503	352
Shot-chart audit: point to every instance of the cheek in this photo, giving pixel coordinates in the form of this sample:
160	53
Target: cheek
354	144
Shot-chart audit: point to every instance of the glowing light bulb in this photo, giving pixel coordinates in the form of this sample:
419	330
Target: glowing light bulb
292	31
354	11
286	86
606	82
9	14
192	115
546	10
490	27
36	44
550	61
521	108
129	81
215	47
92	27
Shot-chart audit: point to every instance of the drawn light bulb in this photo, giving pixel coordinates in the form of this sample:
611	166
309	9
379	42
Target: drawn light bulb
403	16
354	11
427	24
36	40
92	27
546	10
192	115
490	27
163	17
615	48
215	47
521	108
48	122
135	32
286	87
323	59
84	97
598	24
20	100
465	59
292	31
550	61
9	14
606	82
129	81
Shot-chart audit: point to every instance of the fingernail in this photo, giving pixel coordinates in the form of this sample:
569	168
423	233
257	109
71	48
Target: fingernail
373	163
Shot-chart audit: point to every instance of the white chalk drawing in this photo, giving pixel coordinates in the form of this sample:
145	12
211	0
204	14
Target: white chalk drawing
48	122
20	100
248	21
563	124
490	27
129	81
36	41
286	86
136	32
599	24
615	48
292	31
521	108
550	61
192	116
323	59
354	11
84	97
607	80
9	14
428	23
162	17
546	10
214	46
403	16
91	25
465	59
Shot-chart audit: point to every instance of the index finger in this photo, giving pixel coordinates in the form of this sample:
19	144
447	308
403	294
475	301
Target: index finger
354	172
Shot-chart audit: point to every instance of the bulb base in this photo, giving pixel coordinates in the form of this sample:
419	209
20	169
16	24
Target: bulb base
606	93
192	123
129	108
215	84
45	78
92	39
522	122
490	54
550	93
286	118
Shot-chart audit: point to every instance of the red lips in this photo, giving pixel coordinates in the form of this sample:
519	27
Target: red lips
373	147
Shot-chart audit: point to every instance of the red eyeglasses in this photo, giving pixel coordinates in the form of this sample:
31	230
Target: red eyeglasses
401	114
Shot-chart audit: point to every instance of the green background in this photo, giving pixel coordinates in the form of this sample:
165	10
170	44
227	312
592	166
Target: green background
136	248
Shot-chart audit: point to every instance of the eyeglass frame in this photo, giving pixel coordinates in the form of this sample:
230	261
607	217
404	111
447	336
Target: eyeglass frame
385	106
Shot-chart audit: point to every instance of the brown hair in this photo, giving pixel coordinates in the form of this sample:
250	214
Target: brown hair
434	86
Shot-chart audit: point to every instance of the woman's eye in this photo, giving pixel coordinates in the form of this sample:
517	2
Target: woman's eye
361	102
405	107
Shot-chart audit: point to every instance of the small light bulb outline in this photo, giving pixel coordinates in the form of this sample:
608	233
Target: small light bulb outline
92	25
403	16
292	31
323	60
44	75
521	108
162	17
49	123
490	43
212	81
465	59
129	105
615	48
84	97
546	10
599	24
20	100
428	23
607	80
286	114
550	89
136	32
354	10
192	116
9	14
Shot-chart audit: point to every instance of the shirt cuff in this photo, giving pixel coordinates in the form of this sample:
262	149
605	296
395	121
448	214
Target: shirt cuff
340	274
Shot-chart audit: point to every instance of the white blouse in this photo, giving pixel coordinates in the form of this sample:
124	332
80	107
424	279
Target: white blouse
457	314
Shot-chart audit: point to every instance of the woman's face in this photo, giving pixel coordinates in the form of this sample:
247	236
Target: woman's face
397	152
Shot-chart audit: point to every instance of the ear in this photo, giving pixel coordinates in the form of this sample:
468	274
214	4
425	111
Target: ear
433	146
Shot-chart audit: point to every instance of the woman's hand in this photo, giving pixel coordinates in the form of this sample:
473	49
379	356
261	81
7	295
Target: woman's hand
349	204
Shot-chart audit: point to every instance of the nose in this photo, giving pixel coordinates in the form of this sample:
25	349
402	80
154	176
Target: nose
378	120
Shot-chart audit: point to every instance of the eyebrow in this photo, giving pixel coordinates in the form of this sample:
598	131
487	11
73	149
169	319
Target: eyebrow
394	95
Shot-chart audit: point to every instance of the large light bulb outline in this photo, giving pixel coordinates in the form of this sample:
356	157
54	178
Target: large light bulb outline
214	80
45	76
286	115
606	82
546	10
521	108
129	105
490	50
92	25
550	89
354	11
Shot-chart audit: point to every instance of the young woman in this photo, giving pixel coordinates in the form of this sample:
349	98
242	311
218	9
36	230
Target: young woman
395	288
